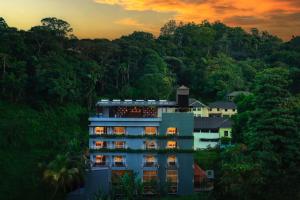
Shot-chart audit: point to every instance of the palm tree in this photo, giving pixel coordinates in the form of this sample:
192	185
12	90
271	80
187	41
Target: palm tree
62	174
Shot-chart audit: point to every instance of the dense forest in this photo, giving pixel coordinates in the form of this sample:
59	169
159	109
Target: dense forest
50	80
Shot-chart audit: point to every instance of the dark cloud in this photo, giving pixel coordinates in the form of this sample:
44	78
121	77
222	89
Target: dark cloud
283	19
295	3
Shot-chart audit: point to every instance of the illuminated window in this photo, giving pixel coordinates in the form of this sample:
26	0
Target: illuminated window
119	130
150	130
150	144
100	144
171	144
119	161
171	131
100	160
149	175
171	160
100	130
172	179
149	161
119	144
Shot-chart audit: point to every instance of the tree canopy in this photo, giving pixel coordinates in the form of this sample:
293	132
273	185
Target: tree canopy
50	81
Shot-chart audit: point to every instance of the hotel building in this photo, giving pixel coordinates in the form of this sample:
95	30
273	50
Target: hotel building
152	139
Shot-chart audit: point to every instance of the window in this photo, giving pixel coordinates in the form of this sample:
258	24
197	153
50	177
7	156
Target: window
226	110
208	140
218	109
172	179
210	109
100	144
149	175
150	131
233	110
100	130
119	144
171	160
150	161
119	130
210	174
150	144
119	161
100	160
171	131
226	133
171	144
194	109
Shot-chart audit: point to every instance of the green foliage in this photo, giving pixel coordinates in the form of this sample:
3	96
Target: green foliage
3	24
58	26
63	173
241	177
30	141
49	80
207	159
223	76
128	187
270	160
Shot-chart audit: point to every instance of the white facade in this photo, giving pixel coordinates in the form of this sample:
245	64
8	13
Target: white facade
204	140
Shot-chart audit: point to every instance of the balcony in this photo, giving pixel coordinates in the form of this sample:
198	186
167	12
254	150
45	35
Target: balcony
172	165
150	145
150	164
119	164
100	145
172	162
119	145
101	164
171	145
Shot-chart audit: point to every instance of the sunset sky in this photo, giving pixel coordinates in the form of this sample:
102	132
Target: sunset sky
113	18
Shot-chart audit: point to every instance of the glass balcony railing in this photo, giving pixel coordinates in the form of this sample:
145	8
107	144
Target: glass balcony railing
150	164
118	164
172	164
100	164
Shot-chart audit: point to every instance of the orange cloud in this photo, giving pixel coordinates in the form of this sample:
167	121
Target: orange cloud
245	13
128	22
137	25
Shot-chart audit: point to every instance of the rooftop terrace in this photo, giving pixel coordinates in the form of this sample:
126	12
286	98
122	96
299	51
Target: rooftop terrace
129	102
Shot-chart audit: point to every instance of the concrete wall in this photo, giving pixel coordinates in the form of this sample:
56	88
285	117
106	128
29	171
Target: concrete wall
200	111
198	144
97	180
184	122
222	130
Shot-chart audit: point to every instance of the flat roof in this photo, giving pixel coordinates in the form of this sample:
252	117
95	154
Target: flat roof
129	102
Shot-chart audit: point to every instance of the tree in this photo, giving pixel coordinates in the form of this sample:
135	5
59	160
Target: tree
240	176
155	80
245	106
3	24
58	26
223	76
169	28
273	135
61	174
